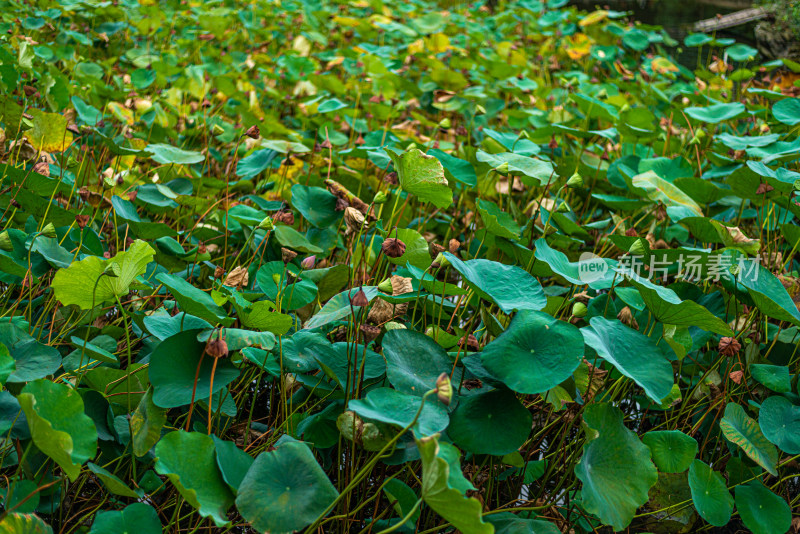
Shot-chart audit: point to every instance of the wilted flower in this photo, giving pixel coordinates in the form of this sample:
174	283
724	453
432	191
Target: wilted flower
453	245
353	219
626	317
219	272
42	168
285	217
238	277
729	346
393	247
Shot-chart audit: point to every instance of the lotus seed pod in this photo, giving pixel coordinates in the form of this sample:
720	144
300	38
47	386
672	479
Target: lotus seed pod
579	309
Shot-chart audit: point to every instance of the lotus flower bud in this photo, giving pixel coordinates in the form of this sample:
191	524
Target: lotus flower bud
393	247
386	286
637	248
49	231
217	130
308	262
5	242
267	223
575	181
276	277
379	198
502	168
579	309
444	389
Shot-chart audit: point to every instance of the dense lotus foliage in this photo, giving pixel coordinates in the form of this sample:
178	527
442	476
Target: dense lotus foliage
374	267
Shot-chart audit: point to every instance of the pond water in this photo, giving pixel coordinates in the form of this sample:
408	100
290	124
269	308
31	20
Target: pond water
678	16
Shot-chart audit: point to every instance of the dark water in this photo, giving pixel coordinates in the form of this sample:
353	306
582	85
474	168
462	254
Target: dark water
678	16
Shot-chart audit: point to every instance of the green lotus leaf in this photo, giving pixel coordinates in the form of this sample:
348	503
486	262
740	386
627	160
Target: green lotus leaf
535	353
146	424
174	371
189	460
744	431
18	523
762	511
508	286
94	281
775	377
233	463
423	176
787	111
167	155
779	420
316	204
414	361
493	422
31	359
716	113
497	221
193	300
615	469
462	512
49	132
711	497
284	490
136	518
508	523
672	450
393	407
623	347
59	427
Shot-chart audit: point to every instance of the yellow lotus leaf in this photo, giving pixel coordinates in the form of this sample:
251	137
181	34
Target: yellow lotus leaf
662	65
49	132
121	112
593	18
578	46
416	47
437	43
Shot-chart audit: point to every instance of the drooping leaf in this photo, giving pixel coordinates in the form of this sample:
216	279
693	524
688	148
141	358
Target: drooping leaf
462	512
615	468
97	281
393	407
59	427
423	176
623	347
188	459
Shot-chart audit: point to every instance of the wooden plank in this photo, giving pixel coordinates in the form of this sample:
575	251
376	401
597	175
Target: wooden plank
730	20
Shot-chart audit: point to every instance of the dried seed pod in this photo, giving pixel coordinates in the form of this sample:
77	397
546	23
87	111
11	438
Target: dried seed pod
219	272
729	346
287	255
435	249
370	332
42	168
359	299
393	247
285	217
217	348
470	341
453	245
82	221
253	132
